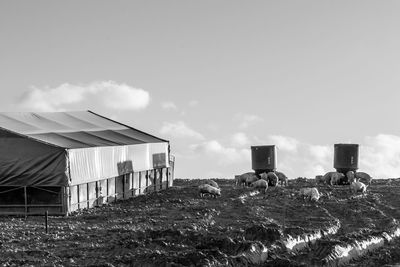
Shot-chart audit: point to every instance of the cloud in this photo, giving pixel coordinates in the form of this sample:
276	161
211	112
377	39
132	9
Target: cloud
246	120
96	94
380	156
312	170
320	153
193	103
284	142
169	106
223	155
180	130
240	140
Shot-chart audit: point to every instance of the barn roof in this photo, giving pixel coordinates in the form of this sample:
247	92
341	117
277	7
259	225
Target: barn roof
73	129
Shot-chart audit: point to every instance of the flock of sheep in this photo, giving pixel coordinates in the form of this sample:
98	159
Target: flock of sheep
250	179
358	181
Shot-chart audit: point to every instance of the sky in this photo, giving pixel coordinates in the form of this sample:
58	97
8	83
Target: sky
217	77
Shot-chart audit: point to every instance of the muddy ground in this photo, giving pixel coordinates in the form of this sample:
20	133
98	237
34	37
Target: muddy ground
176	227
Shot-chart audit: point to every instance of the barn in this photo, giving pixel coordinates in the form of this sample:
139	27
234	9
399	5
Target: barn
64	161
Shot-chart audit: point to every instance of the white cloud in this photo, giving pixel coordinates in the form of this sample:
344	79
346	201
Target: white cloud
223	155
313	170
96	94
180	130
246	120
240	140
320	153
169	105
284	142
193	103
380	156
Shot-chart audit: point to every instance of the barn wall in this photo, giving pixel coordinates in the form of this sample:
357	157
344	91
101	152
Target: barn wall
98	163
20	200
118	188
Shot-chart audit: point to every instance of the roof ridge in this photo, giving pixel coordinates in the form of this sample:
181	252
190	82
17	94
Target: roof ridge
127	126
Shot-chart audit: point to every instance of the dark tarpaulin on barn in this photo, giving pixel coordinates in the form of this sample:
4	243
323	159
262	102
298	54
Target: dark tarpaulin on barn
64	148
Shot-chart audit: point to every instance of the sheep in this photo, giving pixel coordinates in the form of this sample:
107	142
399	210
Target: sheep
270	177
311	193
241	180
357	186
364	177
250	179
327	177
332	177
350	176
261	185
264	176
336	178
209	190
212	183
283	180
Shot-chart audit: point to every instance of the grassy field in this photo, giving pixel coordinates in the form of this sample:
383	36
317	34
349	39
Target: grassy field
177	227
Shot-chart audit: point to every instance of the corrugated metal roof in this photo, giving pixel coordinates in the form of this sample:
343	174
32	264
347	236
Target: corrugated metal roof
73	129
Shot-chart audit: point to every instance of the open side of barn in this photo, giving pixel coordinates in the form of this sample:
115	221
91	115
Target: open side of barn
63	161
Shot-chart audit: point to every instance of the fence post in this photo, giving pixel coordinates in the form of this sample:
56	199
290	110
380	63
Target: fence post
26	202
46	220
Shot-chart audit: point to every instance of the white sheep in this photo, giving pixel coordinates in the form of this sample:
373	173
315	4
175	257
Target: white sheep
327	177
364	177
241	180
332	178
264	176
310	192
283	180
357	186
209	190
212	183
350	176
250	179
270	177
336	177
261	185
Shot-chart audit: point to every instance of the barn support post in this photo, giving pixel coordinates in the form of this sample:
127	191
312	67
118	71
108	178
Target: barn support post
97	193
161	177
77	194
140	183
167	174
132	183
107	191
154	180
123	186
147	180
87	196
69	199
115	189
